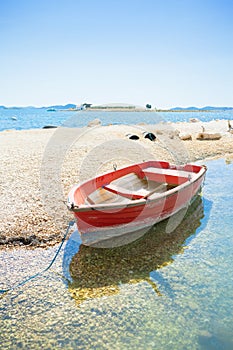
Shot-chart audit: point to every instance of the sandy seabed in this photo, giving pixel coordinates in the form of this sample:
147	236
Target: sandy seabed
38	168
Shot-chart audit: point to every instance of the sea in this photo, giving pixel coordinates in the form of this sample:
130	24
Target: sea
37	118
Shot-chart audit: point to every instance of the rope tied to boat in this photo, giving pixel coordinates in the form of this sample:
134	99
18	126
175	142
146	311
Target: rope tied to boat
20	284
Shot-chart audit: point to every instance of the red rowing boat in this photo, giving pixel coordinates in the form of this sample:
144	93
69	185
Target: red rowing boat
132	199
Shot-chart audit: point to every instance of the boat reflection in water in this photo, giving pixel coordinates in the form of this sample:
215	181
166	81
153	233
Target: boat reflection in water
97	272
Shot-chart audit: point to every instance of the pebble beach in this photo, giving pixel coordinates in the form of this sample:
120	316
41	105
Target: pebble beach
38	168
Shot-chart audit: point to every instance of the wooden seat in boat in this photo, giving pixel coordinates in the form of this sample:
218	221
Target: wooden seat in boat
133	187
102	196
171	176
136	194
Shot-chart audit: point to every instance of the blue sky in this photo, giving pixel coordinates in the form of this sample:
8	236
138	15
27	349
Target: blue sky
163	52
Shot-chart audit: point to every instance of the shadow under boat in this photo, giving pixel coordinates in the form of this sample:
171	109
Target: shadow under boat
97	272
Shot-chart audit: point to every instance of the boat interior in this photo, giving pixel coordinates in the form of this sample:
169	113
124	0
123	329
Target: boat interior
131	187
135	182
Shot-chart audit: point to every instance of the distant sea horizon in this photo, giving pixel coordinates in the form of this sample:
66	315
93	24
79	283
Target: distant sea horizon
125	106
26	118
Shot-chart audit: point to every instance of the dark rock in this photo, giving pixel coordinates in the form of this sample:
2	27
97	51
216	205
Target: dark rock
49	127
150	136
132	137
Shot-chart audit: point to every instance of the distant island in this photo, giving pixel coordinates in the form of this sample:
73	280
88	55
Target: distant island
195	109
61	107
69	106
121	107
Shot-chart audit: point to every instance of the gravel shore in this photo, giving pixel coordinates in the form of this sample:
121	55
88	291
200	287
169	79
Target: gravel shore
38	167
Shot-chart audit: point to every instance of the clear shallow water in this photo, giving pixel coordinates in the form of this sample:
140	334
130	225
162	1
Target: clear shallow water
32	118
167	291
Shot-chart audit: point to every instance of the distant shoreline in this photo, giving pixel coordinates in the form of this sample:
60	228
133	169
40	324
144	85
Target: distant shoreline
154	110
129	108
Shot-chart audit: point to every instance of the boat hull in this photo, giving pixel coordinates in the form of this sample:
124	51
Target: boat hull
102	223
116	236
96	226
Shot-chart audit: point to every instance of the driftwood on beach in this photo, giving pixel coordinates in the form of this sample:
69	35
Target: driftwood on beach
208	136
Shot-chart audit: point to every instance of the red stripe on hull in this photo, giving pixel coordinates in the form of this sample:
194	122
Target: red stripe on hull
154	209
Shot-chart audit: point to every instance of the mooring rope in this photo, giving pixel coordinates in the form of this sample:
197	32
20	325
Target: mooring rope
2	291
